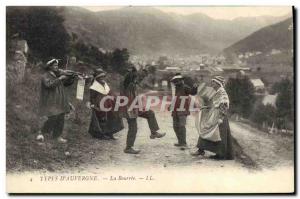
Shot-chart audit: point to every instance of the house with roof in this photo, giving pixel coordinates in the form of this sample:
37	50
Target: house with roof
258	85
269	100
172	69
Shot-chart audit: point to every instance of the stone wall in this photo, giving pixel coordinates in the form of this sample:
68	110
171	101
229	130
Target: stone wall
16	65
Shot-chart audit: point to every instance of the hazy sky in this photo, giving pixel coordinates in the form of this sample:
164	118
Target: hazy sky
219	12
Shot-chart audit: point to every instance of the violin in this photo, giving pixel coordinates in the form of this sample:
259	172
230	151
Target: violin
73	74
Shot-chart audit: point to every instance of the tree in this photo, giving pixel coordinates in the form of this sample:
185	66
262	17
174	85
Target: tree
90	54
241	95
120	59
152	69
285	99
43	29
161	61
16	25
264	114
283	114
47	39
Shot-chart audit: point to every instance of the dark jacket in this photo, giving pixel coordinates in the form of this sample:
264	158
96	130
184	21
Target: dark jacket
183	90
53	100
128	88
104	122
96	97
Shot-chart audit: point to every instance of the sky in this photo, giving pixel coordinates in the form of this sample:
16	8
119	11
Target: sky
229	12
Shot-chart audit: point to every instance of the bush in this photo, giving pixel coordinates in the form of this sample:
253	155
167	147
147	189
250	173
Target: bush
241	96
119	60
285	99
264	114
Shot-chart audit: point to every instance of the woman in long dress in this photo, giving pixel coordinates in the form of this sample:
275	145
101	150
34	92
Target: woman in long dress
213	125
104	124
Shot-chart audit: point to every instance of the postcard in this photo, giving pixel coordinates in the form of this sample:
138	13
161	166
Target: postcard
141	99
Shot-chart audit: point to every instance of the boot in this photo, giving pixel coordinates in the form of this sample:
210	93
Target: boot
131	150
157	135
180	145
61	140
105	137
112	137
198	152
183	147
40	138
216	157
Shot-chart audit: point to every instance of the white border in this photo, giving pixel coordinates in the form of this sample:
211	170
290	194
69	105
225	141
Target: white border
105	3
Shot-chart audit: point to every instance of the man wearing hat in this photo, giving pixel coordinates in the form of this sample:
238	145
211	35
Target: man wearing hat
129	89
53	100
182	92
104	124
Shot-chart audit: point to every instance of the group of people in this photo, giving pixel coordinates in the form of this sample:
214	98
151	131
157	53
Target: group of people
212	123
105	123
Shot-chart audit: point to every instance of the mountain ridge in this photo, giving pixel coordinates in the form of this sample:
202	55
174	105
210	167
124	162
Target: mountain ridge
276	36
147	30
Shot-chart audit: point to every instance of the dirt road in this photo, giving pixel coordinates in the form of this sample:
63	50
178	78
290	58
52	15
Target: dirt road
159	159
254	149
155	153
266	150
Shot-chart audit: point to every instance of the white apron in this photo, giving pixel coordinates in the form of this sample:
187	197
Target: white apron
207	120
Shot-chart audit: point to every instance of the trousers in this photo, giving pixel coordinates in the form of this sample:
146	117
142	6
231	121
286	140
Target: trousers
132	126
54	124
179	122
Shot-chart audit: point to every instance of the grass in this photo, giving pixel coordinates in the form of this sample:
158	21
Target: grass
23	123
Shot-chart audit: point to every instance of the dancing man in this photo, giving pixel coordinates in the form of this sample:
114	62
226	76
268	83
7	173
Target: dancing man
129	90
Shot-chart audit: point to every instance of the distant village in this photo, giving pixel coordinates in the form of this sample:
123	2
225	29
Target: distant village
201	67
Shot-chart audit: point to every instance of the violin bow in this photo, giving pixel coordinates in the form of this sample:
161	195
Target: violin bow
67	62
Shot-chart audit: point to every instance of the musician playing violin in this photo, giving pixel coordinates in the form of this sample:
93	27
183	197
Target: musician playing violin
53	100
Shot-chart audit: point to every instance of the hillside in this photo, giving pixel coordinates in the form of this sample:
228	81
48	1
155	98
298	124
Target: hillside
277	36
146	30
137	31
219	34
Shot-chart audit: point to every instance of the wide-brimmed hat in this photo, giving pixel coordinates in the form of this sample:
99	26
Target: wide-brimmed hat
50	63
99	72
131	69
219	80
177	76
